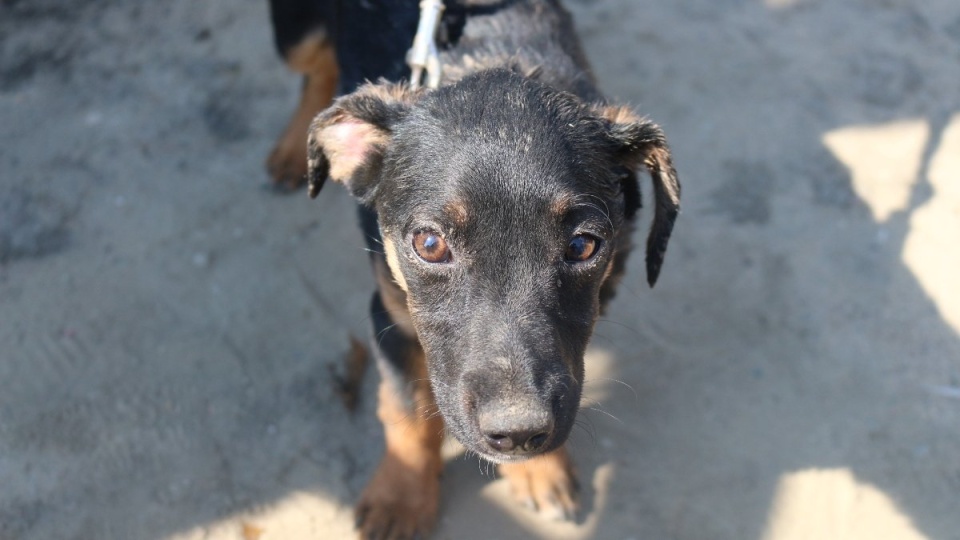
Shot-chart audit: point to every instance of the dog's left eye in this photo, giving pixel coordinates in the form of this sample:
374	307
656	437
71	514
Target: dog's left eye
431	247
581	248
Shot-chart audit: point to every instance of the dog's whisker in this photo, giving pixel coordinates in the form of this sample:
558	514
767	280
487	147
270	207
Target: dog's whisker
385	329
430	413
426	407
382	333
426	412
605	210
601	411
587	428
633	329
636	395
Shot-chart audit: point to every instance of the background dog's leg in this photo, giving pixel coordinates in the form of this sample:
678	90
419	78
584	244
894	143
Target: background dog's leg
401	499
315	58
546	484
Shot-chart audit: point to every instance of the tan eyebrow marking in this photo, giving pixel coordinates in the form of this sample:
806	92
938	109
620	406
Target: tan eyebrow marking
458	212
561	205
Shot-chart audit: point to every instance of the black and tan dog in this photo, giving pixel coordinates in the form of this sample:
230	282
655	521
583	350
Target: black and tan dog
500	208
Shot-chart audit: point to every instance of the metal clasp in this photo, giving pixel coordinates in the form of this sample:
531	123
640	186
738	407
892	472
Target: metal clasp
423	55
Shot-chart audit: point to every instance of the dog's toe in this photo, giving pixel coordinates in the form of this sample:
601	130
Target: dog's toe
384	520
545	484
399	503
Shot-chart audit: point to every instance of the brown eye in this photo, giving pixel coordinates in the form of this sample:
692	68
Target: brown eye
581	248
431	247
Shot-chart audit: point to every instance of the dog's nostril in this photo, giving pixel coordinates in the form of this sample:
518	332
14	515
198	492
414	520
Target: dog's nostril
535	442
501	442
515	428
517	441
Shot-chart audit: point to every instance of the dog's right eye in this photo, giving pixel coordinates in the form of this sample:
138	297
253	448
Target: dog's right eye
431	247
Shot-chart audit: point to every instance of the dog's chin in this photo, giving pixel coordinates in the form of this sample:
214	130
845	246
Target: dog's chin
501	459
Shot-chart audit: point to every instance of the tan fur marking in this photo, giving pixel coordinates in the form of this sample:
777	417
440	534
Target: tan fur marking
412	434
546	483
316	59
561	205
609	271
391	92
394	263
457	212
394	298
404	493
307	56
619	114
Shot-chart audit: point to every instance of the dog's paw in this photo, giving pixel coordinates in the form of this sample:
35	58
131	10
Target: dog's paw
287	163
545	484
399	503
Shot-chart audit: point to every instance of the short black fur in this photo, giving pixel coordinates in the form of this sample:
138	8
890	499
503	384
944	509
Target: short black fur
509	150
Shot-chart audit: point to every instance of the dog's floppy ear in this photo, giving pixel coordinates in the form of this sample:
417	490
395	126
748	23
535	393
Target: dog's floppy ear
639	142
347	141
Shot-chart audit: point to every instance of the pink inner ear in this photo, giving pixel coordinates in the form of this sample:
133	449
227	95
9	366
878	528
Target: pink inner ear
348	144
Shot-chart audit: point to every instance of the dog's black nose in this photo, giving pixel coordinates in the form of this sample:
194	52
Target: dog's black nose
515	428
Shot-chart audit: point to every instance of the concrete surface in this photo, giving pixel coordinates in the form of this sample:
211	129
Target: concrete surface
167	324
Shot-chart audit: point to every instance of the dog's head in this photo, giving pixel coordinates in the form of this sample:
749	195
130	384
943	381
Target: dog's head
502	204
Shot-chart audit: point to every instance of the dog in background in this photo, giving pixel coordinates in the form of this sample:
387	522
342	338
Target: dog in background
336	45
498	209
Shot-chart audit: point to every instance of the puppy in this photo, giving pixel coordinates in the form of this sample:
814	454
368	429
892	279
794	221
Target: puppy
499	209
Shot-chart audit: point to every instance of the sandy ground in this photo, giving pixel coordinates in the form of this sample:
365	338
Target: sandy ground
167	324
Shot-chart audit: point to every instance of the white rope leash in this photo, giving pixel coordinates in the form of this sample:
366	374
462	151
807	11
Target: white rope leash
423	55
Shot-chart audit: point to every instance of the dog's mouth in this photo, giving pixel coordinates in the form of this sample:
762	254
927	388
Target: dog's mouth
501	459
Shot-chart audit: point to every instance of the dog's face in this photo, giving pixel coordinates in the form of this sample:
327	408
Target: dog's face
502	206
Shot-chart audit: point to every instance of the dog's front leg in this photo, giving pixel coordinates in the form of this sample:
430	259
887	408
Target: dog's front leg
400	501
546	484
